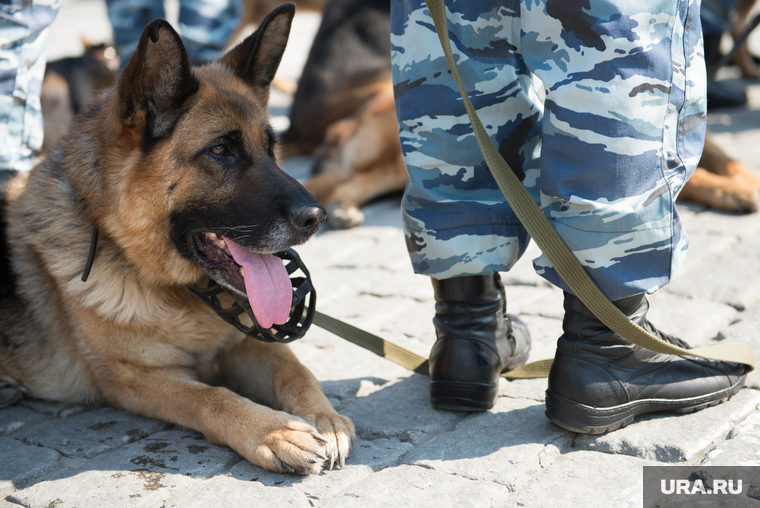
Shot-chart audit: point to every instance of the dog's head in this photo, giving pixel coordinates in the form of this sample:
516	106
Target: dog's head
197	189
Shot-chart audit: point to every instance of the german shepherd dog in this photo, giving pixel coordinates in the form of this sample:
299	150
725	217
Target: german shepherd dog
175	168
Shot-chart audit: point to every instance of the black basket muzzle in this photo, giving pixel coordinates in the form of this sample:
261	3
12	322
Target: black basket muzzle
301	310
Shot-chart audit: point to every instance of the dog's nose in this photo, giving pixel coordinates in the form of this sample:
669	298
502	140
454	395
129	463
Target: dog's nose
307	219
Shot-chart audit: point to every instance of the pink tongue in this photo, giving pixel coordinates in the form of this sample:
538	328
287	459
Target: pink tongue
267	283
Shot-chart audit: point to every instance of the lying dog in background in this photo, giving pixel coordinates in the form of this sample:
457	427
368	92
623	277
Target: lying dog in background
174	168
343	113
359	160
722	183
69	84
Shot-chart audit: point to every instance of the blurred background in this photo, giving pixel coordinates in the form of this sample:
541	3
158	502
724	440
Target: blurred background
733	95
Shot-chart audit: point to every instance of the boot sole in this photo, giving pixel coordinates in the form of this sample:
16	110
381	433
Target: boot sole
576	417
468	396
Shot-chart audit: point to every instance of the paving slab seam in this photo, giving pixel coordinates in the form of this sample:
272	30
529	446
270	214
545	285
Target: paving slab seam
726	438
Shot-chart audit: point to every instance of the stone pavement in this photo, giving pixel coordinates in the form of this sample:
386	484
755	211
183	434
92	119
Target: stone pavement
407	453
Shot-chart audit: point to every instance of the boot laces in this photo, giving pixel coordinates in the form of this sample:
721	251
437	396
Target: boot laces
667	337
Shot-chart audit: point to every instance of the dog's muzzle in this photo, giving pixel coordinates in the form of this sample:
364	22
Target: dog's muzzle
235	309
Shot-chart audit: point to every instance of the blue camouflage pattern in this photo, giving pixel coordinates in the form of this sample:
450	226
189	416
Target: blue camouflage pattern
23	42
598	107
204	25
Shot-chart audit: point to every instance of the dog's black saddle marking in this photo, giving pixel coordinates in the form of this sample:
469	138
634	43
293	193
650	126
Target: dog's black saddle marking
7	278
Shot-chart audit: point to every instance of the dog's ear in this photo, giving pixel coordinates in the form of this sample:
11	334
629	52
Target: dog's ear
255	60
156	83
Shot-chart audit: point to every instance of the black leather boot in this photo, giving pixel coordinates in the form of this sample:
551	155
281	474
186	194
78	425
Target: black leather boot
477	341
600	381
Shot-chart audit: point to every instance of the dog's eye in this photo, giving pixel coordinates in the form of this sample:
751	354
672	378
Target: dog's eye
220	150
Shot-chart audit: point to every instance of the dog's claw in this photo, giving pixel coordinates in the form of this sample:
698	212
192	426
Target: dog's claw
319	437
287	467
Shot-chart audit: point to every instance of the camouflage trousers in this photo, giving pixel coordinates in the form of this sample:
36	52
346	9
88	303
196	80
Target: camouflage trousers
597	106
205	25
23	41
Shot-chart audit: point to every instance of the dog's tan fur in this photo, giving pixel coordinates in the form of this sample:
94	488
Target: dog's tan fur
723	183
133	336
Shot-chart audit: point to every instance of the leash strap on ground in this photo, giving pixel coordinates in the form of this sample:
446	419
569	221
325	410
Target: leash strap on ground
378	345
408	359
554	248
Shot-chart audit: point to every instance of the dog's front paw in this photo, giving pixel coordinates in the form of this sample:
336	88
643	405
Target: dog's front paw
342	216
738	199
340	434
293	446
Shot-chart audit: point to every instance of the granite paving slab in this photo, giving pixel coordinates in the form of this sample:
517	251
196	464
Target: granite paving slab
732	278
143	473
547	303
136	488
366	458
90	433
17	417
401	410
418	487
21	463
57	409
741	446
694	320
705	246
588	479
508	445
224	491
